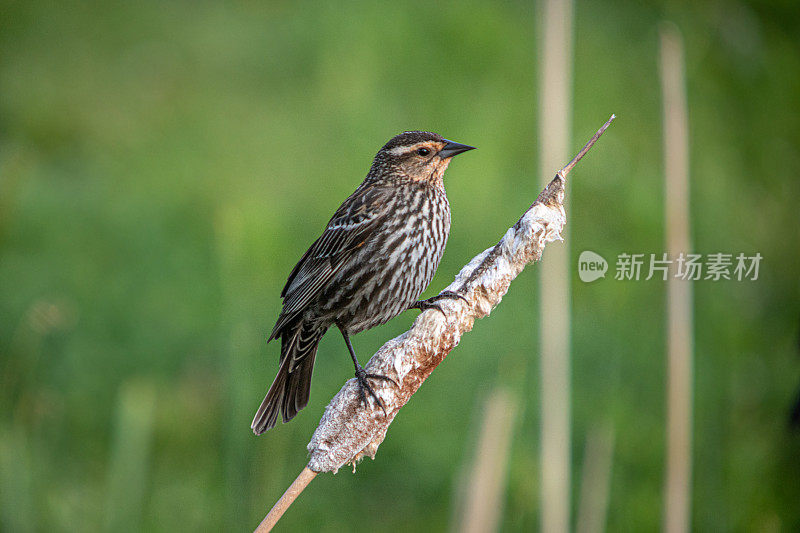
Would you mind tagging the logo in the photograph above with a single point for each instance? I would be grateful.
(591, 266)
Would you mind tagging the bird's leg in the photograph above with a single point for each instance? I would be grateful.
(430, 303)
(362, 375)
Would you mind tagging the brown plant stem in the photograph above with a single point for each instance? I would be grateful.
(678, 470)
(286, 500)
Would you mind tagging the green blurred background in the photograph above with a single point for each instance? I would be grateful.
(164, 164)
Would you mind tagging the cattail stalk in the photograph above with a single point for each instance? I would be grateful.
(679, 292)
(554, 331)
(482, 505)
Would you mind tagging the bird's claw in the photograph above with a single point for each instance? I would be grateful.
(363, 385)
(430, 303)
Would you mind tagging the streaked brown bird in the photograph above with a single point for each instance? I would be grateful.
(377, 254)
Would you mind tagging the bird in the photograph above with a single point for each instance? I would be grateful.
(376, 256)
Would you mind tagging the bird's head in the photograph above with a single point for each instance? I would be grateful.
(418, 156)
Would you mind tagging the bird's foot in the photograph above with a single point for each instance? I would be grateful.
(430, 303)
(364, 387)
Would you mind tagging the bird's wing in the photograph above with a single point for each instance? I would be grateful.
(350, 227)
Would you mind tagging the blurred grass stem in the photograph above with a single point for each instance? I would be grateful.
(555, 115)
(130, 458)
(483, 505)
(679, 292)
(598, 459)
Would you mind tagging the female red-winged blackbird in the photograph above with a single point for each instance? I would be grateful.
(378, 253)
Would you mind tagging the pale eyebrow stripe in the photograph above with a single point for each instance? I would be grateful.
(399, 150)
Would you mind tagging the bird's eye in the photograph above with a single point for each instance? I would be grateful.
(423, 151)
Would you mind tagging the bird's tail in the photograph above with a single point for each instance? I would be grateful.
(290, 391)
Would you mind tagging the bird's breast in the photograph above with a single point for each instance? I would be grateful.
(398, 263)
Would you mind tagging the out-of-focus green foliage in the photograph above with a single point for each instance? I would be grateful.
(164, 164)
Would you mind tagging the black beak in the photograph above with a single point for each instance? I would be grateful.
(450, 149)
